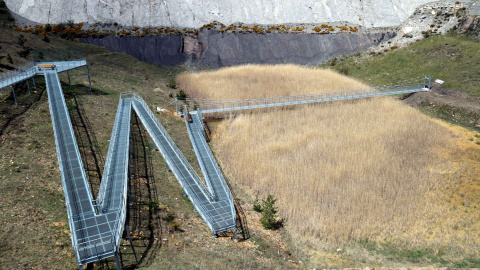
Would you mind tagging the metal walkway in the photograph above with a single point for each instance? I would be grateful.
(97, 225)
(218, 106)
(31, 69)
(223, 211)
(212, 200)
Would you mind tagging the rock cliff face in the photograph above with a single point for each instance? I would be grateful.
(157, 50)
(214, 49)
(226, 49)
(195, 13)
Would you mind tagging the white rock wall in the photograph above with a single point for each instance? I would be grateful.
(195, 13)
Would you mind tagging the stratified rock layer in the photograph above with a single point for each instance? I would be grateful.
(157, 50)
(226, 49)
(215, 49)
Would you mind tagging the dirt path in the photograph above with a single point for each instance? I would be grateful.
(451, 105)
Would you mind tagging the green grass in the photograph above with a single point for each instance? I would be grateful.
(454, 59)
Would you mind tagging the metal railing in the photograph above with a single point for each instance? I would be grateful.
(211, 105)
(108, 160)
(31, 69)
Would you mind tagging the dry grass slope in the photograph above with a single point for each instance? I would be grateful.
(260, 81)
(370, 170)
(341, 172)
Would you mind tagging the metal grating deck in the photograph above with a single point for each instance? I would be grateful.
(223, 210)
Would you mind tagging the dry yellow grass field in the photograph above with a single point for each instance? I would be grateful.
(341, 171)
(370, 170)
(261, 81)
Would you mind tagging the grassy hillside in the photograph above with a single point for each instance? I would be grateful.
(454, 59)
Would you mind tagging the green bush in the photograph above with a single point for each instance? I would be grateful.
(172, 84)
(269, 214)
(257, 207)
(181, 95)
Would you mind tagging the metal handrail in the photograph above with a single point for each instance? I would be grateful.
(113, 138)
(197, 203)
(212, 104)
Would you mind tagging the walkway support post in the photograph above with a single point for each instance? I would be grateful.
(69, 82)
(28, 86)
(176, 105)
(33, 80)
(89, 83)
(14, 96)
(117, 261)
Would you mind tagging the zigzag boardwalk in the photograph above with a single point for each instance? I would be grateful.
(97, 225)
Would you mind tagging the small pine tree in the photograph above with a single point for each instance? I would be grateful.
(257, 206)
(181, 95)
(269, 214)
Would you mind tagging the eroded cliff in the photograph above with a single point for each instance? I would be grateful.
(195, 13)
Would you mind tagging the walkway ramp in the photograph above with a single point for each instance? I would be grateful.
(92, 236)
(224, 210)
(211, 201)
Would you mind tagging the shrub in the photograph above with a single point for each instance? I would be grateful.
(257, 207)
(181, 95)
(269, 214)
(9, 59)
(21, 41)
(25, 53)
(172, 84)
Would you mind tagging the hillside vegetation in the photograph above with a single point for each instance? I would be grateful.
(454, 59)
(368, 176)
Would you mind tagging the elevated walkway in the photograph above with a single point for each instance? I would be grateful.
(91, 234)
(222, 106)
(30, 70)
(97, 225)
(223, 209)
(212, 200)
